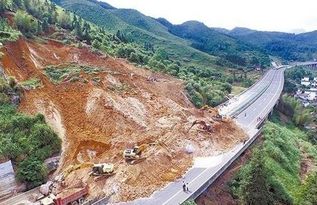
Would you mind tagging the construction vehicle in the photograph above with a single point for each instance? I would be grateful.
(134, 155)
(76, 196)
(205, 126)
(72, 168)
(102, 169)
(218, 118)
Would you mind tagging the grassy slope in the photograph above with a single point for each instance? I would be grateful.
(283, 149)
(139, 28)
(216, 43)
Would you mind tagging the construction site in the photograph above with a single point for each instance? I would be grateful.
(126, 131)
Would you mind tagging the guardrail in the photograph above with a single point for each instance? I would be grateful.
(221, 170)
(254, 84)
(224, 166)
(244, 106)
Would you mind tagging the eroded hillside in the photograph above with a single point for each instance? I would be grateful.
(100, 105)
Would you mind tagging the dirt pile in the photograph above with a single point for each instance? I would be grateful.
(108, 111)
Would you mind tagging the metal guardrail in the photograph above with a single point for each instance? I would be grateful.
(222, 169)
(247, 104)
(254, 84)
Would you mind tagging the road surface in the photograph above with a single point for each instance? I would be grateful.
(270, 88)
(263, 95)
(231, 106)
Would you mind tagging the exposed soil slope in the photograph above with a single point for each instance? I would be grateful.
(127, 105)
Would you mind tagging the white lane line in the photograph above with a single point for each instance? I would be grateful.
(279, 85)
(192, 181)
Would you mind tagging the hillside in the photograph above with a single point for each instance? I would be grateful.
(99, 105)
(135, 28)
(281, 169)
(215, 43)
(300, 47)
(141, 28)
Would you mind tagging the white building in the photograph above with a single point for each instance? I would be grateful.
(311, 95)
(305, 81)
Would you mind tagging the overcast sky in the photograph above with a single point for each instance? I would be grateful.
(277, 15)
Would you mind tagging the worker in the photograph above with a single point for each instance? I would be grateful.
(245, 114)
(184, 186)
(187, 189)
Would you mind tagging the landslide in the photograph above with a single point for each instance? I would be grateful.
(102, 113)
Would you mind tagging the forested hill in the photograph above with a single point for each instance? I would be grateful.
(199, 47)
(216, 43)
(288, 46)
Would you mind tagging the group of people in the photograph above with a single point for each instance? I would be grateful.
(185, 187)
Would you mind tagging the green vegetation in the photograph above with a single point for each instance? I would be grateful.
(27, 141)
(308, 195)
(236, 90)
(208, 40)
(69, 73)
(32, 83)
(287, 46)
(273, 175)
(294, 109)
(189, 202)
(131, 35)
(298, 72)
(7, 33)
(25, 22)
(148, 42)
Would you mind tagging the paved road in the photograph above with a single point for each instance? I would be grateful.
(234, 104)
(264, 104)
(21, 199)
(271, 87)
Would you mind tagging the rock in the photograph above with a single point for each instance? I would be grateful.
(189, 149)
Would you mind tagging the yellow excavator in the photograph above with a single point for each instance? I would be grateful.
(205, 125)
(133, 155)
(75, 167)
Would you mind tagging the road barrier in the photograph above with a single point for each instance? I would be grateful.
(244, 106)
(221, 170)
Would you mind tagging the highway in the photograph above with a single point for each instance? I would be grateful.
(258, 101)
(248, 119)
(233, 105)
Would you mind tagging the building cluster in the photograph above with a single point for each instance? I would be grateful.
(307, 95)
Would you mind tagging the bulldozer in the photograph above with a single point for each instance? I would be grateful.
(134, 155)
(102, 169)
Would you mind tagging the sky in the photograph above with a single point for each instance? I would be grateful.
(270, 15)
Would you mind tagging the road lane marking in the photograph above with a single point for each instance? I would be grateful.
(203, 172)
(279, 85)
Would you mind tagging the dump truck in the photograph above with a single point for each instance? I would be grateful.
(72, 196)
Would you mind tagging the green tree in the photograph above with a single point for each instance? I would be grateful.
(32, 171)
(4, 5)
(25, 22)
(45, 25)
(96, 44)
(64, 20)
